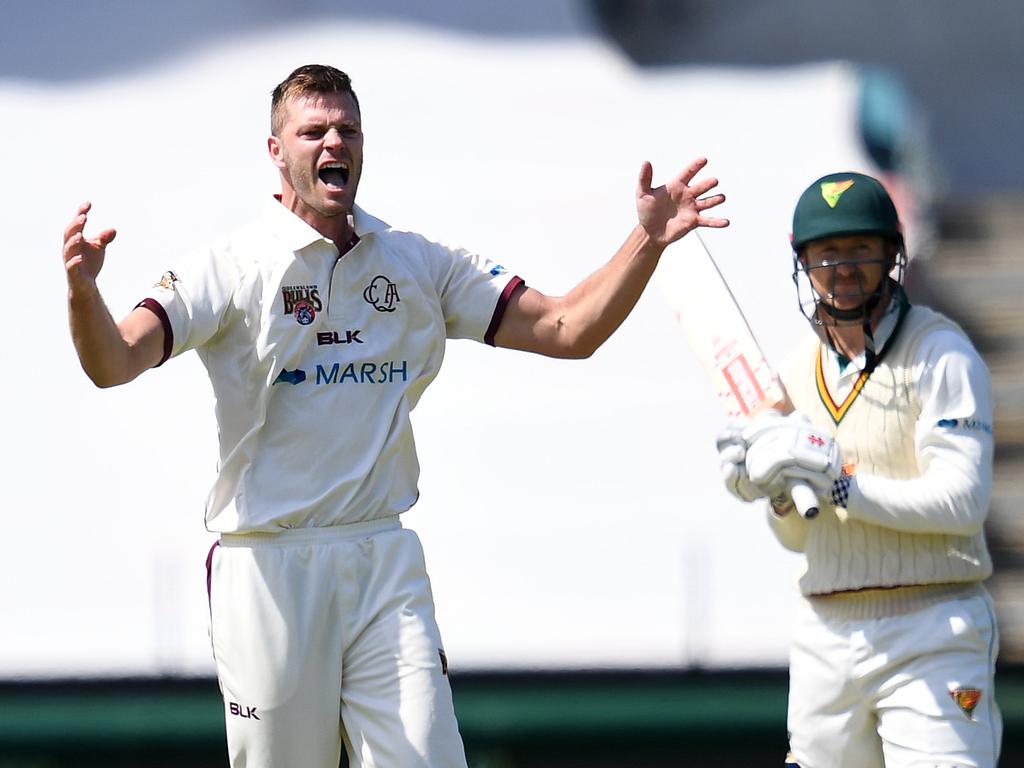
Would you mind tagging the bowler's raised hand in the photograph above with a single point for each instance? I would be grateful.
(676, 207)
(83, 257)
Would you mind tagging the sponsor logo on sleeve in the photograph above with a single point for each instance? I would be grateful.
(968, 425)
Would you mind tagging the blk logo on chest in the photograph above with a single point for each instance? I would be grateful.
(337, 337)
(238, 710)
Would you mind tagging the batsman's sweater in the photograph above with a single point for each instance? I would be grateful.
(894, 546)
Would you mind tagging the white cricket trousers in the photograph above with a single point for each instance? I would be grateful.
(328, 635)
(909, 690)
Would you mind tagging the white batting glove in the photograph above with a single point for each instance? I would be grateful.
(792, 449)
(732, 452)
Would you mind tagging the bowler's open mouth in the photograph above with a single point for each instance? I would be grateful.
(334, 175)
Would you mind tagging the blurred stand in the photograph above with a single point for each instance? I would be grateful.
(961, 62)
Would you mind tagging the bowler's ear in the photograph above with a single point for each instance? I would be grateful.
(276, 151)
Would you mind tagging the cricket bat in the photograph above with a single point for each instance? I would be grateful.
(720, 336)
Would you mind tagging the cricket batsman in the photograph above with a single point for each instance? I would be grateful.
(893, 652)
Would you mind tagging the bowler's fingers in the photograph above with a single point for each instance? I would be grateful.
(77, 224)
(74, 233)
(73, 244)
(643, 186)
(692, 170)
(684, 177)
(77, 247)
(702, 187)
(77, 244)
(74, 236)
(711, 201)
(713, 222)
(105, 238)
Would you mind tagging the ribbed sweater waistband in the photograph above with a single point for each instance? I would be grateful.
(891, 601)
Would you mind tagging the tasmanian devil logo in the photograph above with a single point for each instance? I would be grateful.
(967, 699)
(382, 294)
(833, 190)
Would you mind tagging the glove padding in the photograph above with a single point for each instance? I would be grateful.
(791, 449)
(732, 452)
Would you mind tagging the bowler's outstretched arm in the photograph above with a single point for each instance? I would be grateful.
(575, 325)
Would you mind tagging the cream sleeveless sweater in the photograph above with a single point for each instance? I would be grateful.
(876, 435)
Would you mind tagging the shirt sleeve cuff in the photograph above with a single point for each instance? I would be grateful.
(500, 307)
(157, 309)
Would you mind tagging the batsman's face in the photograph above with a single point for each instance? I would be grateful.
(319, 153)
(844, 271)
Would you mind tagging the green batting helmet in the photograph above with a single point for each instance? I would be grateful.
(845, 204)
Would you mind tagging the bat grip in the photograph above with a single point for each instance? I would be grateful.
(805, 499)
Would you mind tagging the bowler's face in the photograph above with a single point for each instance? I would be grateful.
(319, 151)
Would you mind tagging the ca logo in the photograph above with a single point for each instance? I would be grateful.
(382, 294)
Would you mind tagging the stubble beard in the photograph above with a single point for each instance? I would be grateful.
(306, 188)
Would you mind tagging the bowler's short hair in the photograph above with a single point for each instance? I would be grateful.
(307, 80)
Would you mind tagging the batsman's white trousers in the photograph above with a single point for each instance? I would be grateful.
(910, 690)
(328, 635)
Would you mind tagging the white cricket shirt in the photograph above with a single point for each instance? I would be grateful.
(316, 362)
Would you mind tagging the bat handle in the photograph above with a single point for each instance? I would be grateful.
(805, 500)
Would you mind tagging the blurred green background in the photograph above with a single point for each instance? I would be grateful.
(731, 719)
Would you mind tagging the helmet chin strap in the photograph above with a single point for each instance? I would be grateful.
(864, 313)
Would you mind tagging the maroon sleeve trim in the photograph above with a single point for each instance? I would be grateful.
(157, 309)
(499, 309)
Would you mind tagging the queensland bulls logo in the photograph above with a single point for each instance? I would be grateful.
(302, 301)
